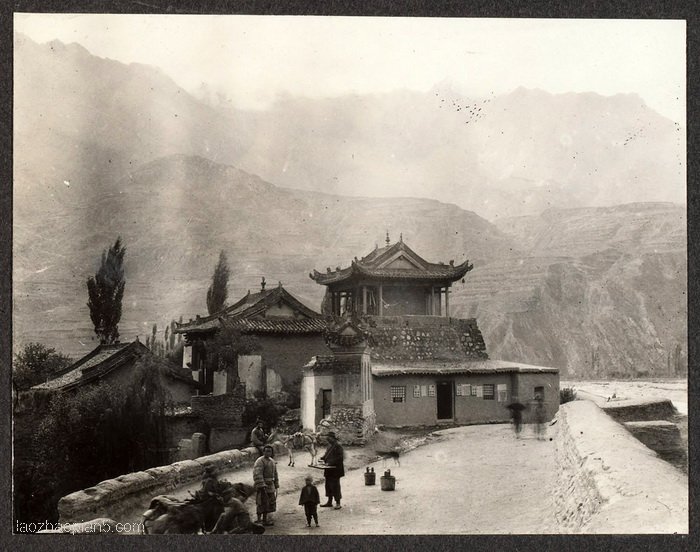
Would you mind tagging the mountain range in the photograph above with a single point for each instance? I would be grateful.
(570, 206)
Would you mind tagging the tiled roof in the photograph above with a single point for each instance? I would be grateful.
(456, 367)
(260, 325)
(280, 325)
(372, 266)
(433, 272)
(247, 314)
(103, 360)
(75, 371)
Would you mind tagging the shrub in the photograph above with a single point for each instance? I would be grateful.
(267, 409)
(567, 394)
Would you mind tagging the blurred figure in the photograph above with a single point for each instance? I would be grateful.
(516, 413)
(540, 417)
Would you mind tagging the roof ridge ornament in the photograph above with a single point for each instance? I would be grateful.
(388, 241)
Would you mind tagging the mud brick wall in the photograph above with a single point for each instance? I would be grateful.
(221, 411)
(408, 338)
(640, 411)
(662, 437)
(609, 482)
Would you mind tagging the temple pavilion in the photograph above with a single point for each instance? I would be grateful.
(391, 281)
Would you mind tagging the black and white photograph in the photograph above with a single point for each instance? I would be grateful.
(340, 275)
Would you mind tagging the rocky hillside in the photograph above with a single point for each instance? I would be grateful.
(176, 213)
(105, 149)
(599, 291)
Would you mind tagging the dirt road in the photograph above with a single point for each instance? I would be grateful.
(476, 479)
(466, 480)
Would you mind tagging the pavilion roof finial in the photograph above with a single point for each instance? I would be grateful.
(387, 238)
(401, 237)
(262, 284)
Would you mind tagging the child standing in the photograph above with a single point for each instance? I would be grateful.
(310, 499)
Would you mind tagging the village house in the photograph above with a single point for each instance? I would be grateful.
(115, 364)
(399, 359)
(287, 332)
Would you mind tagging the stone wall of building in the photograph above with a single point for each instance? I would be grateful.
(348, 423)
(424, 337)
(224, 416)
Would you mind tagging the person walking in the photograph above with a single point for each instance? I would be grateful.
(309, 499)
(540, 418)
(266, 484)
(333, 458)
(516, 413)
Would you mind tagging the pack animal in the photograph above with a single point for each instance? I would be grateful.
(169, 515)
(299, 441)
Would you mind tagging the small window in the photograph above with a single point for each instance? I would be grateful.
(539, 393)
(398, 393)
(489, 392)
(473, 390)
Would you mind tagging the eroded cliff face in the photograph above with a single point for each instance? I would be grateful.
(615, 306)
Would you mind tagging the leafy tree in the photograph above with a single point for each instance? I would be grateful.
(218, 290)
(95, 433)
(222, 351)
(35, 364)
(105, 292)
(175, 354)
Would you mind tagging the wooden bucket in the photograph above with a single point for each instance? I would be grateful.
(388, 482)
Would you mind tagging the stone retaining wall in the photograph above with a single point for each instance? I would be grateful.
(640, 410)
(115, 497)
(609, 482)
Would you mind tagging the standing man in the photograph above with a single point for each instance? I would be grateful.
(266, 485)
(333, 458)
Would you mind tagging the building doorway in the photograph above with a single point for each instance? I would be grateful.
(445, 398)
(326, 399)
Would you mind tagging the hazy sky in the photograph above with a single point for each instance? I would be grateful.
(253, 59)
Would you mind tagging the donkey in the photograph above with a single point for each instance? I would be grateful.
(297, 441)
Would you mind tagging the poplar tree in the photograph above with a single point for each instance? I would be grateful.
(218, 290)
(105, 293)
